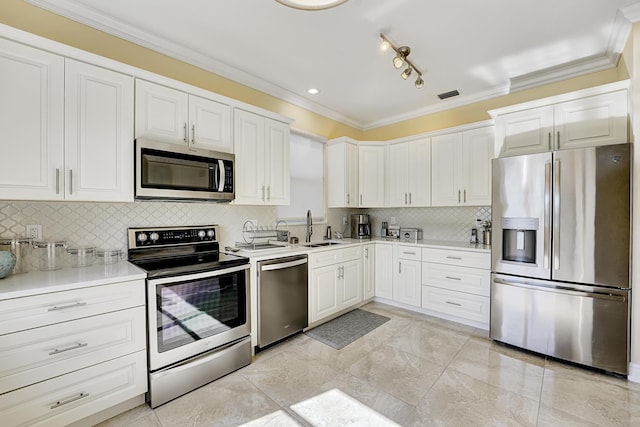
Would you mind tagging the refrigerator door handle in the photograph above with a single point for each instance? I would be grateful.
(547, 214)
(556, 214)
(560, 289)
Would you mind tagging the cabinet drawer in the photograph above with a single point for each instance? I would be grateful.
(72, 397)
(38, 354)
(462, 258)
(20, 314)
(463, 279)
(409, 252)
(458, 304)
(334, 256)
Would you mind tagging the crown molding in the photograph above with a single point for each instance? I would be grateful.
(632, 12)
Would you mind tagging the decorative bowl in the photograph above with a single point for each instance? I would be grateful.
(7, 262)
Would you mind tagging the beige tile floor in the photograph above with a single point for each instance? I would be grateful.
(414, 370)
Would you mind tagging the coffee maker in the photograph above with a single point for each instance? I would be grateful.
(360, 226)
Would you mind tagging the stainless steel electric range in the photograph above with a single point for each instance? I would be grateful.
(197, 308)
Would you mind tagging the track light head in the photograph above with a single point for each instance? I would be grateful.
(398, 61)
(419, 82)
(406, 73)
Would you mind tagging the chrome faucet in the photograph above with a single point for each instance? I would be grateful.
(309, 227)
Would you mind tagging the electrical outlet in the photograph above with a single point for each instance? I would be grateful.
(392, 221)
(34, 231)
(344, 220)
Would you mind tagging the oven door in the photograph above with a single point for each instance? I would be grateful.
(191, 314)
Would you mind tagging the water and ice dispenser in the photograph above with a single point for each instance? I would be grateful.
(519, 239)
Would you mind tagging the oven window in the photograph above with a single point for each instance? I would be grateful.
(193, 310)
(161, 171)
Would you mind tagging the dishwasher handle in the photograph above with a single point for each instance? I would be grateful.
(283, 265)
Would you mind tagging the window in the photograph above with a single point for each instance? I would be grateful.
(307, 180)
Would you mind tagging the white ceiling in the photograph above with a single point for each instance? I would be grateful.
(481, 48)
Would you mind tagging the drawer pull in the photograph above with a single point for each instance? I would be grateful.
(452, 278)
(453, 303)
(64, 307)
(71, 347)
(454, 257)
(69, 400)
(408, 253)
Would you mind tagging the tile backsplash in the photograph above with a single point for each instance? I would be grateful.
(105, 224)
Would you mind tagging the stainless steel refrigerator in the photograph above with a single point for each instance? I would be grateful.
(561, 254)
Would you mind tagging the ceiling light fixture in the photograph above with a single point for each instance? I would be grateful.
(311, 4)
(401, 58)
(313, 91)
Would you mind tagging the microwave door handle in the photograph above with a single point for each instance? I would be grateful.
(220, 176)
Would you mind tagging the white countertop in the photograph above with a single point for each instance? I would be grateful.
(40, 282)
(257, 255)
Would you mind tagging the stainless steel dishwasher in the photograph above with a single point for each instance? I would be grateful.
(282, 298)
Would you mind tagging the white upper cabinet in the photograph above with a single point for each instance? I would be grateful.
(98, 134)
(342, 158)
(262, 160)
(461, 168)
(597, 116)
(173, 116)
(409, 172)
(371, 175)
(31, 123)
(67, 127)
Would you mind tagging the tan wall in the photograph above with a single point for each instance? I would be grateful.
(21, 15)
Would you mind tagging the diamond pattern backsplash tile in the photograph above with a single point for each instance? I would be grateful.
(104, 225)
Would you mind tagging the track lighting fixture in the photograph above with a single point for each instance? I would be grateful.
(402, 58)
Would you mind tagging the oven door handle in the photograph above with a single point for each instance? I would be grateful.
(195, 276)
(283, 265)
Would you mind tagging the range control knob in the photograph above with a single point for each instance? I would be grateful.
(201, 234)
(154, 236)
(142, 237)
(211, 234)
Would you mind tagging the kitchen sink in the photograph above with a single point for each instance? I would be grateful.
(321, 244)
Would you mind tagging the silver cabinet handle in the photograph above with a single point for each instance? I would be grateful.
(549, 141)
(186, 137)
(71, 347)
(458, 196)
(558, 140)
(193, 133)
(452, 278)
(399, 267)
(57, 180)
(360, 199)
(547, 213)
(70, 181)
(263, 199)
(366, 253)
(405, 198)
(465, 196)
(454, 257)
(68, 400)
(408, 253)
(453, 303)
(64, 307)
(348, 199)
(409, 197)
(556, 214)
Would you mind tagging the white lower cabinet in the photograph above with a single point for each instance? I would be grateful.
(368, 270)
(68, 355)
(456, 285)
(407, 275)
(384, 270)
(335, 281)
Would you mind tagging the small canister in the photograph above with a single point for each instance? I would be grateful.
(81, 256)
(109, 256)
(19, 247)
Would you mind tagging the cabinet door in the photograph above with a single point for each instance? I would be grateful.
(446, 163)
(161, 113)
(277, 163)
(31, 122)
(476, 166)
(407, 286)
(324, 292)
(368, 271)
(419, 181)
(250, 158)
(342, 160)
(210, 124)
(524, 132)
(98, 134)
(398, 176)
(384, 270)
(351, 285)
(371, 176)
(351, 151)
(595, 120)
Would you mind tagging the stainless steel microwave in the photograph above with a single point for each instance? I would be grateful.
(168, 171)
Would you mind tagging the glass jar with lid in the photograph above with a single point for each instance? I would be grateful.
(48, 254)
(20, 247)
(81, 256)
